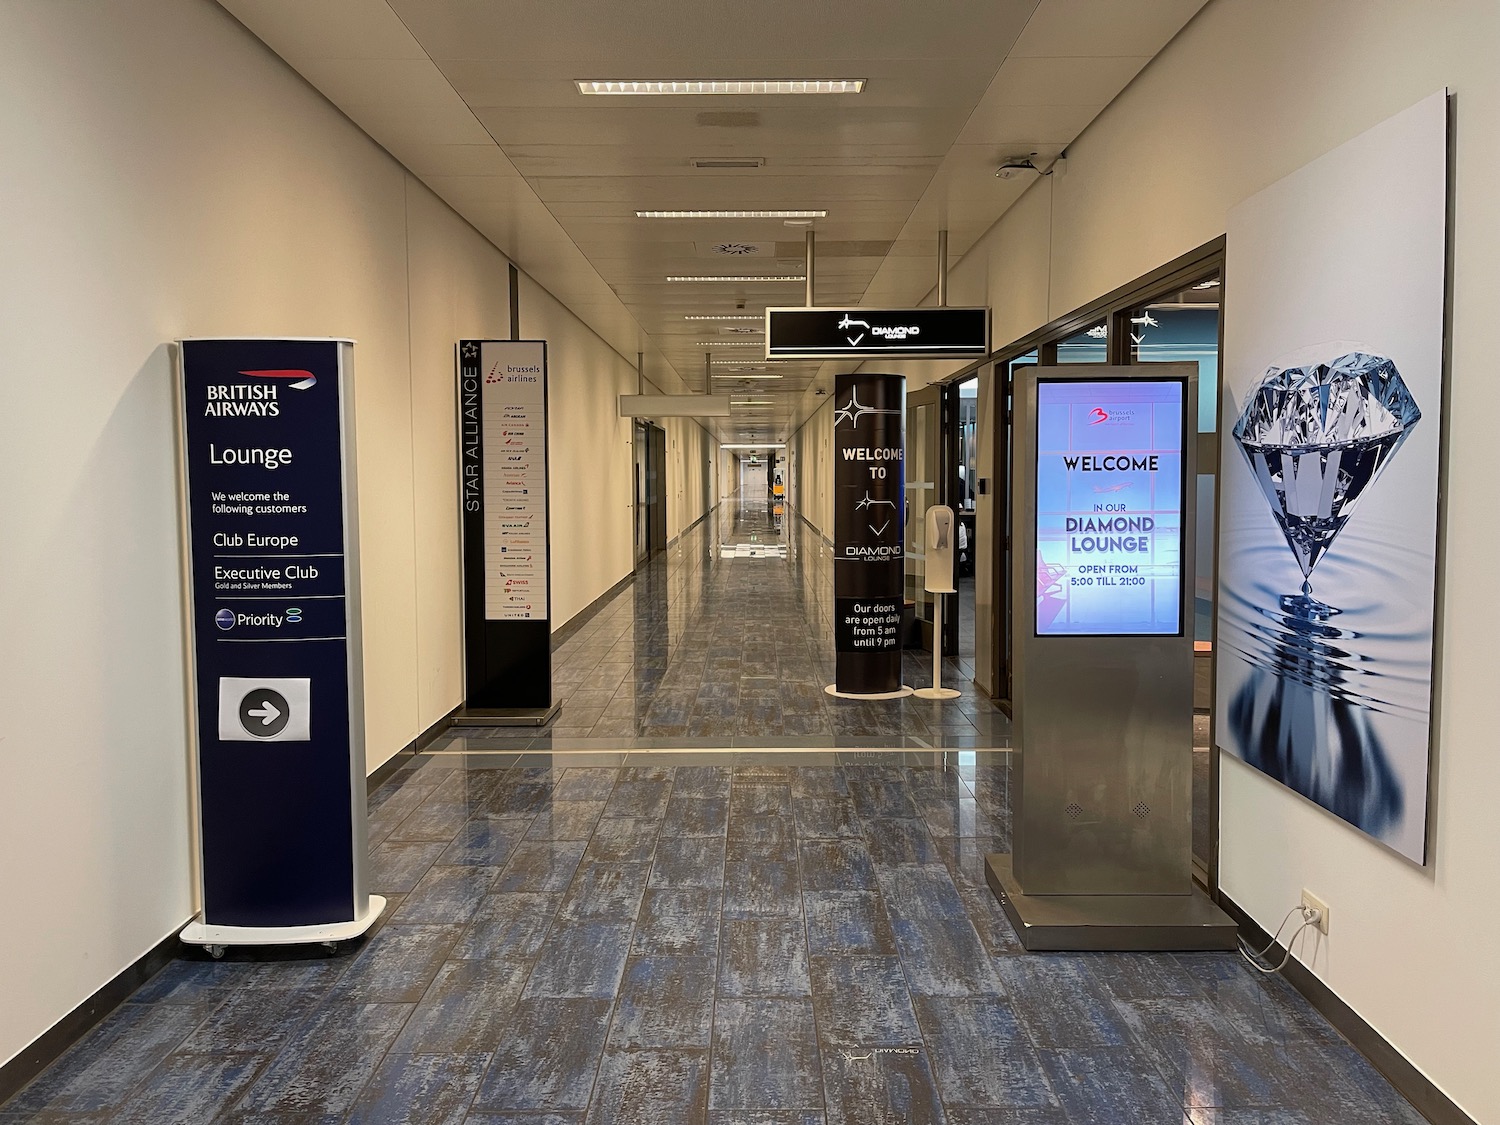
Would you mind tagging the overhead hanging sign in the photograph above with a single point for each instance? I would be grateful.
(503, 490)
(1109, 488)
(824, 333)
(268, 465)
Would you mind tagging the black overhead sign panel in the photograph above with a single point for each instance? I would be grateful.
(820, 333)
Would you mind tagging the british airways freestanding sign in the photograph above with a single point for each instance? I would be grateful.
(267, 457)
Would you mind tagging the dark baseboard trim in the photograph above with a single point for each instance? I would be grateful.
(401, 757)
(581, 618)
(1410, 1082)
(50, 1045)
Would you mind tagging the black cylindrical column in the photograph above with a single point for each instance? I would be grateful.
(869, 478)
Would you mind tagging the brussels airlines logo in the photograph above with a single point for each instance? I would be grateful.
(1097, 415)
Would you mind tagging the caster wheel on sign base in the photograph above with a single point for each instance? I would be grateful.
(215, 951)
(331, 948)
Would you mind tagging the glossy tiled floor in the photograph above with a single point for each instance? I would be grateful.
(712, 651)
(775, 939)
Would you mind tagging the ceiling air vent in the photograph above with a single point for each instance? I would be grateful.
(728, 162)
(737, 249)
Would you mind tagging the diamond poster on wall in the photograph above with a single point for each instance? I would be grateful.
(1329, 476)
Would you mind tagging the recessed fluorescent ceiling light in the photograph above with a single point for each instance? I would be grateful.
(737, 277)
(749, 364)
(736, 316)
(731, 214)
(730, 344)
(692, 86)
(753, 402)
(732, 375)
(762, 445)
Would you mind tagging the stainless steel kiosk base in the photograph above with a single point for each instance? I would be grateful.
(505, 716)
(1109, 922)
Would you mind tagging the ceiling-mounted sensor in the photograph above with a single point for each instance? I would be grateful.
(741, 162)
(1013, 166)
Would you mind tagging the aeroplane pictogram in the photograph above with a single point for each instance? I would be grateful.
(869, 502)
(854, 410)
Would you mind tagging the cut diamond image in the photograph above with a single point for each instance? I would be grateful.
(1316, 437)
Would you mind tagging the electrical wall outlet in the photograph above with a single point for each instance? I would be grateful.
(1312, 902)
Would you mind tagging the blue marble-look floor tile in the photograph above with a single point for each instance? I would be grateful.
(516, 799)
(980, 1053)
(847, 922)
(1333, 1081)
(678, 920)
(875, 798)
(1110, 1084)
(326, 1063)
(666, 1000)
(566, 820)
(749, 799)
(638, 798)
(466, 1009)
(484, 842)
(480, 1117)
(696, 816)
(510, 925)
(396, 866)
(809, 1116)
(585, 783)
(895, 841)
(541, 867)
(255, 1020)
(826, 781)
(877, 1085)
(836, 865)
(944, 957)
(396, 965)
(1265, 1009)
(862, 1001)
(431, 822)
(1143, 976)
(605, 890)
(696, 861)
(701, 781)
(550, 1058)
(1087, 1019)
(921, 894)
(825, 818)
(763, 957)
(420, 1090)
(624, 839)
(446, 894)
(769, 889)
(636, 1087)
(189, 1088)
(762, 839)
(958, 817)
(765, 1055)
(191, 979)
(989, 921)
(1215, 1116)
(580, 959)
(98, 1072)
(1200, 1056)
(994, 1115)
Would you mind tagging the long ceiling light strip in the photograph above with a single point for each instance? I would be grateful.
(743, 278)
(730, 344)
(731, 214)
(759, 445)
(734, 316)
(733, 375)
(698, 86)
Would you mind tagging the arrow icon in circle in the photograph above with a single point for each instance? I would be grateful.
(267, 713)
(264, 712)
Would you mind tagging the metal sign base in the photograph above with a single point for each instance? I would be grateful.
(1127, 923)
(215, 938)
(505, 716)
(899, 693)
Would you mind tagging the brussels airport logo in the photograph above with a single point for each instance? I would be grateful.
(255, 400)
(224, 619)
(1097, 415)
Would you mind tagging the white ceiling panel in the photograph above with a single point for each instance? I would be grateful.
(478, 99)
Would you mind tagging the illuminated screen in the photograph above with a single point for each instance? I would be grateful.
(1109, 507)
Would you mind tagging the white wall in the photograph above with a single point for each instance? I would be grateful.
(1250, 91)
(167, 176)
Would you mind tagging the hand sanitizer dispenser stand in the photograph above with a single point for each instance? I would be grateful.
(942, 546)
